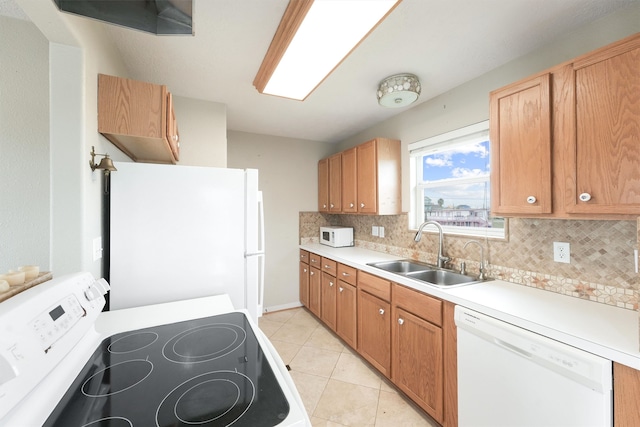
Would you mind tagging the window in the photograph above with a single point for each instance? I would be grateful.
(450, 182)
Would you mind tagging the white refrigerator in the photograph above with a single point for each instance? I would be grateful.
(180, 232)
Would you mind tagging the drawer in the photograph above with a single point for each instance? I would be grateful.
(304, 256)
(347, 274)
(315, 260)
(374, 285)
(329, 266)
(422, 305)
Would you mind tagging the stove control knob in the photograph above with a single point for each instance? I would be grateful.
(92, 292)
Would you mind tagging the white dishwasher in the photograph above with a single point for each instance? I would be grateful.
(512, 377)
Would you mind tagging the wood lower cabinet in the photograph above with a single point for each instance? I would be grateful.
(417, 343)
(374, 321)
(346, 305)
(304, 284)
(626, 396)
(328, 294)
(315, 279)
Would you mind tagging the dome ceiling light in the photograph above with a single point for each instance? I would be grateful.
(398, 90)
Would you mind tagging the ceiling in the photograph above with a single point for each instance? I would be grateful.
(445, 43)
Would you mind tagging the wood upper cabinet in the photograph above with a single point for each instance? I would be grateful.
(335, 183)
(323, 185)
(417, 349)
(364, 179)
(378, 172)
(138, 118)
(349, 181)
(603, 158)
(520, 134)
(566, 143)
(374, 321)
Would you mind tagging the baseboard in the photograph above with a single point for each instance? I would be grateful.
(273, 308)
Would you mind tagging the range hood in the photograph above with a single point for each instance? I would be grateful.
(163, 17)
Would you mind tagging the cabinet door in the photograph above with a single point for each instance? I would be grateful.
(335, 183)
(304, 284)
(520, 132)
(605, 156)
(349, 181)
(323, 185)
(367, 177)
(346, 315)
(374, 331)
(173, 136)
(314, 290)
(626, 396)
(328, 300)
(417, 361)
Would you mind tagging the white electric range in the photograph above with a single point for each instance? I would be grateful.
(64, 362)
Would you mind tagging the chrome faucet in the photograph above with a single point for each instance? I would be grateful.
(441, 258)
(482, 261)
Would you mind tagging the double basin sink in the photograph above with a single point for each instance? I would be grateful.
(426, 273)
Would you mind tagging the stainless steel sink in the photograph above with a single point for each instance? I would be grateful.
(441, 277)
(426, 273)
(402, 266)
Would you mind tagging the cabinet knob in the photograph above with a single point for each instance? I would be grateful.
(327, 266)
(331, 284)
(531, 200)
(175, 137)
(400, 321)
(362, 205)
(313, 260)
(331, 205)
(305, 270)
(345, 274)
(324, 206)
(350, 205)
(341, 289)
(311, 273)
(585, 197)
(381, 311)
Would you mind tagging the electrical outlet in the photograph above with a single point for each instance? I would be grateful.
(381, 231)
(375, 230)
(562, 252)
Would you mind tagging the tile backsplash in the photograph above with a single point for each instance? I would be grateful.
(602, 252)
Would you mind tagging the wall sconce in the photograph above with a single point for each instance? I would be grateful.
(105, 164)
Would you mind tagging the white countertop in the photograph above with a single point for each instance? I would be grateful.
(601, 329)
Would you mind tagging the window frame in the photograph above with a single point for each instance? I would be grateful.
(439, 143)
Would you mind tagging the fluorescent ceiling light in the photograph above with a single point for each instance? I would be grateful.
(312, 39)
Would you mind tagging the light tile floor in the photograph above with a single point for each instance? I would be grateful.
(337, 387)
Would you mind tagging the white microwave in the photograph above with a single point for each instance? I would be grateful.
(336, 236)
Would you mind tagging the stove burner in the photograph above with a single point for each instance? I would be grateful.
(132, 342)
(110, 422)
(204, 343)
(117, 378)
(211, 399)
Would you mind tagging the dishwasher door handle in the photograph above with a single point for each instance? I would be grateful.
(513, 348)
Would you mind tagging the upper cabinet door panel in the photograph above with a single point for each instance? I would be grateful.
(521, 147)
(349, 181)
(323, 185)
(606, 142)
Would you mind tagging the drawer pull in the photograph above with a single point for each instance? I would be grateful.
(345, 274)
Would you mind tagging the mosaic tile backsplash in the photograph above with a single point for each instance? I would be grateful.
(602, 252)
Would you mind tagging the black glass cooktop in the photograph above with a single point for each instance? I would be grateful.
(203, 372)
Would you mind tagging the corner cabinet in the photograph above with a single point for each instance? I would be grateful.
(139, 119)
(566, 142)
(368, 180)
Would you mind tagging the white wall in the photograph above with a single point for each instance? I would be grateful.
(203, 132)
(469, 103)
(288, 178)
(24, 146)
